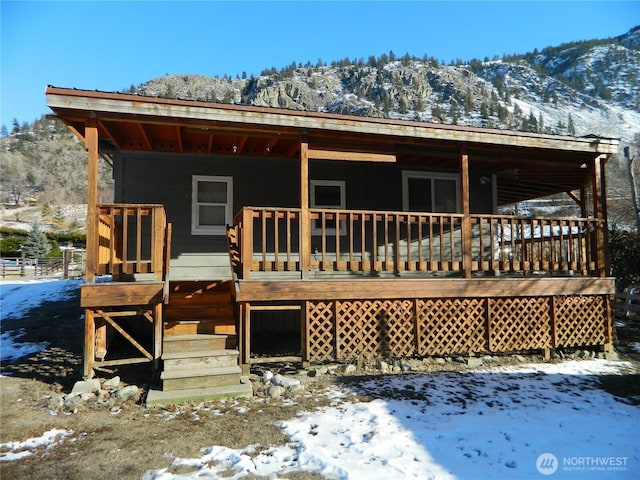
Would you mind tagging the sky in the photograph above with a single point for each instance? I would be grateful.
(111, 45)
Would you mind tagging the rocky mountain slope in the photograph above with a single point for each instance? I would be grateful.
(581, 88)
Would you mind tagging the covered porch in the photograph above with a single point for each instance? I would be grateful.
(375, 270)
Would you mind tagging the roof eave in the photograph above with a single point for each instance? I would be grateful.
(90, 102)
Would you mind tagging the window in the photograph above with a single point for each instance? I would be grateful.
(211, 204)
(430, 192)
(327, 194)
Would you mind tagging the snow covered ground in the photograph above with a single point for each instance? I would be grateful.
(519, 422)
(16, 298)
(526, 422)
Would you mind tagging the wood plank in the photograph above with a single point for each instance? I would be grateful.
(422, 288)
(349, 156)
(117, 294)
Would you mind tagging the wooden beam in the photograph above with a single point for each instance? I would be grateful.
(265, 291)
(91, 146)
(466, 212)
(145, 137)
(597, 173)
(305, 217)
(121, 294)
(179, 138)
(89, 343)
(315, 154)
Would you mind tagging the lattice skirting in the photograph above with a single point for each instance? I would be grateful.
(347, 330)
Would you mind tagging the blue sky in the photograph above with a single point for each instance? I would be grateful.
(111, 45)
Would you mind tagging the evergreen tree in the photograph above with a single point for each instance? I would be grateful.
(571, 127)
(37, 244)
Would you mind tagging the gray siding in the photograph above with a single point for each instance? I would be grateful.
(167, 178)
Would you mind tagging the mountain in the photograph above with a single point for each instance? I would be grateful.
(579, 88)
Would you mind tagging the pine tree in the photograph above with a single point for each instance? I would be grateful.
(571, 126)
(37, 244)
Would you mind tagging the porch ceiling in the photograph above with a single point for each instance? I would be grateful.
(527, 165)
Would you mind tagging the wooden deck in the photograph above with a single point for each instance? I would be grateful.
(350, 320)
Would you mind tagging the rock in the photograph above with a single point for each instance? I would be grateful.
(487, 359)
(318, 372)
(349, 369)
(411, 365)
(112, 383)
(440, 361)
(396, 369)
(88, 396)
(384, 367)
(519, 358)
(275, 391)
(55, 402)
(285, 382)
(474, 361)
(73, 401)
(611, 356)
(267, 376)
(86, 386)
(127, 393)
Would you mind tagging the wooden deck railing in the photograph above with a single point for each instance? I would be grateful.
(397, 242)
(131, 240)
(514, 244)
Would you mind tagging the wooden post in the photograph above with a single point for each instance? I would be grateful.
(244, 338)
(157, 335)
(246, 243)
(304, 334)
(91, 146)
(608, 318)
(159, 225)
(89, 343)
(305, 218)
(466, 211)
(597, 173)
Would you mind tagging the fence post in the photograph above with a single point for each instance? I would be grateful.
(66, 256)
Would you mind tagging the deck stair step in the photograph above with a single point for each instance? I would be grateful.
(200, 378)
(194, 342)
(199, 359)
(192, 326)
(199, 355)
(158, 397)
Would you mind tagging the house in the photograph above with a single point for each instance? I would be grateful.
(370, 237)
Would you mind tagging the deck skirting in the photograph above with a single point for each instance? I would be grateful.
(369, 319)
(356, 329)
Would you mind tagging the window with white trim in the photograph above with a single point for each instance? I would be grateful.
(327, 194)
(211, 204)
(430, 192)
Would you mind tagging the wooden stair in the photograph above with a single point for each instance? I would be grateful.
(199, 347)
